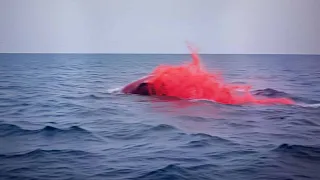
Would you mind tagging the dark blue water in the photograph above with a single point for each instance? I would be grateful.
(61, 117)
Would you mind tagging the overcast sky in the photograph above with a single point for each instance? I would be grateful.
(160, 26)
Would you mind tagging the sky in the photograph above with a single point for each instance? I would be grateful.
(160, 26)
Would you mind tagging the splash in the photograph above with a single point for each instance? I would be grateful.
(192, 81)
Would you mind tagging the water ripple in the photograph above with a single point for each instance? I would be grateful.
(62, 116)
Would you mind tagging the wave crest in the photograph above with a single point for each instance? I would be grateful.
(14, 130)
(300, 151)
(38, 153)
(269, 92)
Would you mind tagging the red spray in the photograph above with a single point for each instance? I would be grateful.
(192, 81)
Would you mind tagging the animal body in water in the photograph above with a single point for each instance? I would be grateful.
(140, 87)
(192, 81)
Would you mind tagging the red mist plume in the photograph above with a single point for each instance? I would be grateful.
(192, 81)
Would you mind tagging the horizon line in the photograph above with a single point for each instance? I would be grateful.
(99, 53)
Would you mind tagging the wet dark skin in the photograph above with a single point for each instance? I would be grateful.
(145, 89)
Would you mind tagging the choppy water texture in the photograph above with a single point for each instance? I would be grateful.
(61, 117)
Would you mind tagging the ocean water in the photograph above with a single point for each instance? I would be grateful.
(62, 117)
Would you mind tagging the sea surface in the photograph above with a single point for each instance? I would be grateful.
(62, 117)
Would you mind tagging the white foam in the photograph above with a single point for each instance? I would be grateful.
(310, 105)
(114, 90)
(202, 100)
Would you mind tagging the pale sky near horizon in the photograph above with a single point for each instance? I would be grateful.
(153, 26)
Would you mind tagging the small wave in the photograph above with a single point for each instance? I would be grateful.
(306, 122)
(308, 152)
(207, 136)
(303, 102)
(100, 111)
(138, 131)
(38, 153)
(309, 105)
(175, 171)
(203, 140)
(199, 143)
(163, 127)
(195, 118)
(269, 92)
(91, 96)
(240, 125)
(10, 130)
(50, 130)
(169, 172)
